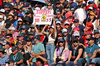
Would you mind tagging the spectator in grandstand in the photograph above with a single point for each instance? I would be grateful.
(61, 53)
(90, 49)
(75, 54)
(3, 58)
(16, 56)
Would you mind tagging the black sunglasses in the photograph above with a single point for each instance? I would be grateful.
(32, 27)
(75, 41)
(66, 24)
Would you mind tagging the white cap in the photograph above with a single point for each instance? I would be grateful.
(90, 8)
(52, 26)
(2, 10)
(12, 28)
(66, 22)
(20, 19)
(58, 22)
(1, 16)
(37, 8)
(64, 31)
(76, 33)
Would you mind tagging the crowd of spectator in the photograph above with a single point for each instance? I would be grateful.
(68, 41)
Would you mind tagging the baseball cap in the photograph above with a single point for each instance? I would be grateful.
(68, 14)
(4, 29)
(92, 13)
(64, 31)
(58, 22)
(20, 20)
(87, 33)
(52, 26)
(89, 25)
(66, 22)
(28, 39)
(79, 1)
(90, 2)
(12, 28)
(76, 21)
(20, 15)
(76, 33)
(37, 37)
(14, 48)
(1, 16)
(19, 43)
(90, 8)
(96, 32)
(75, 40)
(60, 40)
(2, 10)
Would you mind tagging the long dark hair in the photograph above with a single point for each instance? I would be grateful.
(59, 46)
(53, 34)
(93, 19)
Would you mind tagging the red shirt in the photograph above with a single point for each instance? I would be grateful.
(10, 43)
(1, 2)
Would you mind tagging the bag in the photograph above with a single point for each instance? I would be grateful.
(57, 59)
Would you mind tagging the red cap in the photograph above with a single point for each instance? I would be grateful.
(87, 32)
(68, 14)
(59, 34)
(89, 25)
(76, 29)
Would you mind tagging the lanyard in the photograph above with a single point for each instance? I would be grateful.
(60, 51)
(90, 48)
(14, 58)
(74, 51)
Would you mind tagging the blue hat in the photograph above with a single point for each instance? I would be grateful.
(20, 15)
(60, 40)
(37, 37)
(21, 34)
(76, 20)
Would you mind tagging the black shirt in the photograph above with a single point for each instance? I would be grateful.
(76, 52)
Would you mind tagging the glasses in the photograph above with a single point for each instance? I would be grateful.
(61, 42)
(32, 27)
(7, 37)
(48, 5)
(58, 14)
(75, 41)
(59, 36)
(23, 29)
(57, 24)
(88, 39)
(66, 24)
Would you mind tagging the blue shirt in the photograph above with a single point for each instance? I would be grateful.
(3, 60)
(90, 50)
(15, 23)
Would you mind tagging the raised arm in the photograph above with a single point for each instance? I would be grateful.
(43, 30)
(39, 33)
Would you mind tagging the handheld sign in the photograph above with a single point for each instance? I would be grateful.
(43, 17)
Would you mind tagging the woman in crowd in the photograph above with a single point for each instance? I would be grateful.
(61, 53)
(50, 47)
(28, 48)
(8, 49)
(75, 54)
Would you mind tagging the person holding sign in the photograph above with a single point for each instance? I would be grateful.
(50, 47)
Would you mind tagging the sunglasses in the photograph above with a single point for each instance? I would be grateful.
(23, 29)
(61, 42)
(75, 41)
(57, 24)
(32, 27)
(66, 24)
(48, 5)
(7, 37)
(58, 14)
(59, 36)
